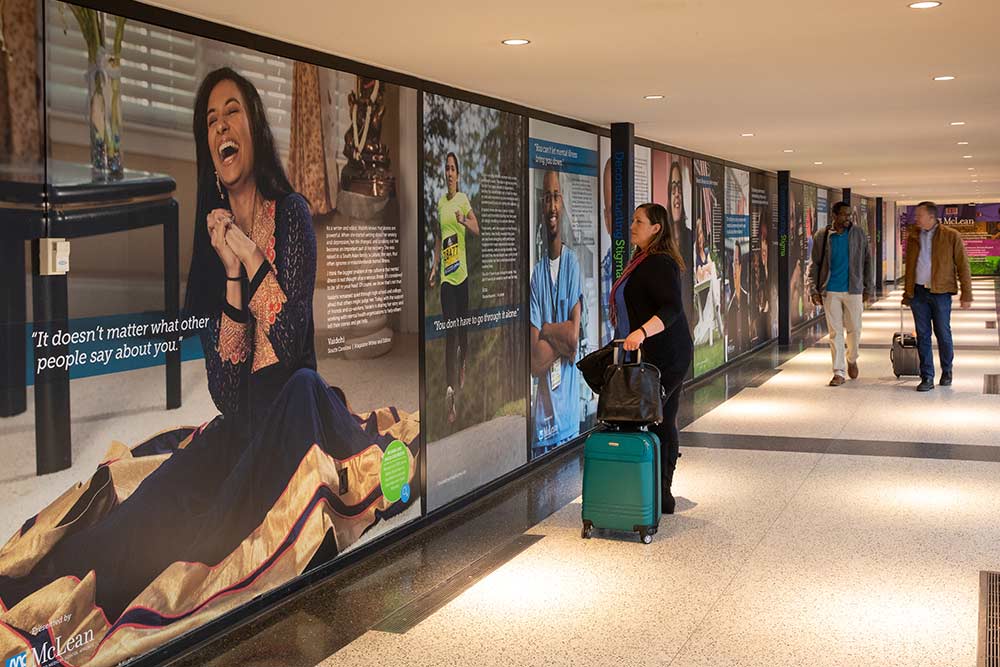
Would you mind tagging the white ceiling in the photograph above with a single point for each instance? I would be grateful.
(845, 82)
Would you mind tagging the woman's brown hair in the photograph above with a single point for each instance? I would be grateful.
(664, 242)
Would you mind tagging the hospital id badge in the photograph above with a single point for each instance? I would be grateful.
(555, 374)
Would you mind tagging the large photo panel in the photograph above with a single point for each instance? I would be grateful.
(760, 269)
(475, 275)
(709, 269)
(738, 264)
(810, 216)
(774, 254)
(798, 301)
(673, 189)
(563, 299)
(979, 226)
(227, 390)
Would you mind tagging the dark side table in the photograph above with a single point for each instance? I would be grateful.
(66, 202)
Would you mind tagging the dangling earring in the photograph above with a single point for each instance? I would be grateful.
(218, 186)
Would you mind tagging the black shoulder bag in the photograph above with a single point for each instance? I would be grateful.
(632, 393)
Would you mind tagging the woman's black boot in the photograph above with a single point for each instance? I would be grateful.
(668, 501)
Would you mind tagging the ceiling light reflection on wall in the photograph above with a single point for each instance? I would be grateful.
(789, 150)
(747, 134)
(931, 4)
(817, 163)
(946, 77)
(653, 97)
(966, 157)
(963, 143)
(518, 41)
(957, 123)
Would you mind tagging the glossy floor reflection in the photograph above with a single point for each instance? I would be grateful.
(806, 544)
(775, 558)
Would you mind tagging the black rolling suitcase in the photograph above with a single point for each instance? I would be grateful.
(904, 355)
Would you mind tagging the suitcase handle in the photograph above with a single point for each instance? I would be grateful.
(618, 344)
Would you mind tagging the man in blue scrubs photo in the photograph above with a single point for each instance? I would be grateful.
(556, 303)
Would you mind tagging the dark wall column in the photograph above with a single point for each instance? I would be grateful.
(879, 245)
(622, 193)
(784, 268)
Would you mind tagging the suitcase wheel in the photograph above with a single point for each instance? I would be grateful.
(588, 530)
(647, 538)
(646, 534)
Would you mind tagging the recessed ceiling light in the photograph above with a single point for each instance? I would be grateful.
(817, 163)
(864, 179)
(966, 157)
(971, 168)
(947, 77)
(747, 134)
(975, 181)
(516, 42)
(963, 143)
(653, 97)
(847, 173)
(925, 5)
(789, 150)
(957, 123)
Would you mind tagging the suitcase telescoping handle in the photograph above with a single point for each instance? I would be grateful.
(619, 344)
(901, 307)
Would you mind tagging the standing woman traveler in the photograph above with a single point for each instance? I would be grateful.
(648, 312)
(451, 266)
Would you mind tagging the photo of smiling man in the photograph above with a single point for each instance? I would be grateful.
(556, 297)
(563, 300)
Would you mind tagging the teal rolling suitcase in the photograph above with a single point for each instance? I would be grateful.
(621, 482)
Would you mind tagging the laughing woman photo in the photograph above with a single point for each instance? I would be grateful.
(196, 521)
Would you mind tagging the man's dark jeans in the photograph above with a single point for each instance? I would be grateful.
(932, 312)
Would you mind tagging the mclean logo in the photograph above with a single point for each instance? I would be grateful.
(49, 653)
(955, 222)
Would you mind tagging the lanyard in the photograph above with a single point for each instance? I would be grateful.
(555, 287)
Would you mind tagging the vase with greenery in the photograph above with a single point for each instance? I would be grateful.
(103, 91)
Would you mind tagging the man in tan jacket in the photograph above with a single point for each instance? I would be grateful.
(935, 265)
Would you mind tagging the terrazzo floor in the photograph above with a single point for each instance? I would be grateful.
(877, 406)
(774, 558)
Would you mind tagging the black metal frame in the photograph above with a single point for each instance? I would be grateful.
(421, 297)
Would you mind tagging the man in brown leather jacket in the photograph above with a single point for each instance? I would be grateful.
(935, 266)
